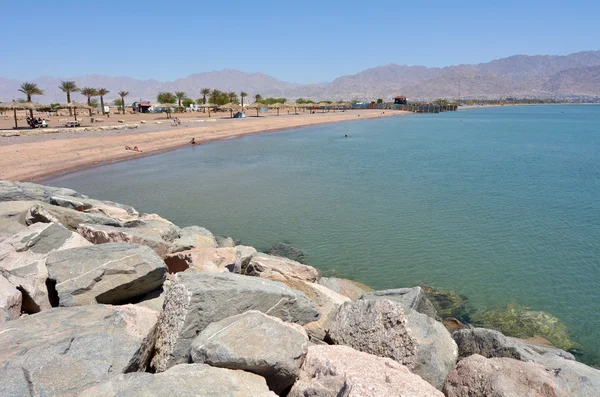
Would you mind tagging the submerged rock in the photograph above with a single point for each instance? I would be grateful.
(335, 371)
(253, 342)
(287, 251)
(195, 300)
(448, 303)
(198, 380)
(60, 352)
(518, 321)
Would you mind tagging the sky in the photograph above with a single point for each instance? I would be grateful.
(295, 41)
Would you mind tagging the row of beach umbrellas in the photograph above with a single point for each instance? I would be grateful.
(232, 107)
(31, 106)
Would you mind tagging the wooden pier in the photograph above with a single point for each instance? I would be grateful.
(411, 107)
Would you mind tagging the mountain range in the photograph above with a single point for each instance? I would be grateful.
(542, 76)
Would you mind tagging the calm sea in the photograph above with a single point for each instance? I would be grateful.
(499, 204)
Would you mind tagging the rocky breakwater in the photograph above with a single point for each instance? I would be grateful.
(97, 299)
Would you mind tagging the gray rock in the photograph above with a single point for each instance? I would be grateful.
(198, 380)
(12, 217)
(225, 242)
(383, 328)
(253, 342)
(155, 224)
(489, 343)
(376, 327)
(351, 289)
(340, 371)
(111, 209)
(24, 191)
(477, 376)
(71, 219)
(436, 350)
(243, 255)
(60, 352)
(326, 300)
(544, 350)
(111, 273)
(195, 300)
(194, 237)
(10, 300)
(100, 234)
(278, 268)
(205, 260)
(23, 257)
(409, 298)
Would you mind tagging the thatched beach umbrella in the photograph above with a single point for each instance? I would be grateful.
(231, 107)
(14, 106)
(278, 106)
(257, 106)
(74, 105)
(293, 105)
(208, 106)
(323, 105)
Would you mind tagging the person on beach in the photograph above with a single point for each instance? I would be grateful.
(193, 141)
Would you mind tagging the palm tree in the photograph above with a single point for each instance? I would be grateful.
(30, 89)
(204, 92)
(101, 93)
(243, 95)
(180, 95)
(68, 87)
(214, 96)
(123, 94)
(89, 92)
(232, 96)
(257, 98)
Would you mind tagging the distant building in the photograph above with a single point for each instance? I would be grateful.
(400, 100)
(142, 106)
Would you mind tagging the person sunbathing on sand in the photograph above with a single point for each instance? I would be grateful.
(135, 148)
(193, 141)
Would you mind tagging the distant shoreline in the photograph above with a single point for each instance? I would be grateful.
(39, 157)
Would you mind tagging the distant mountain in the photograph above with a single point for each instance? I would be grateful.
(540, 76)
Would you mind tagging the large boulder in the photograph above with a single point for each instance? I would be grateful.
(383, 328)
(10, 300)
(351, 289)
(114, 210)
(195, 300)
(205, 260)
(333, 371)
(327, 301)
(225, 242)
(166, 229)
(23, 257)
(409, 298)
(60, 352)
(243, 256)
(194, 237)
(12, 217)
(100, 234)
(26, 191)
(279, 268)
(198, 380)
(477, 376)
(489, 343)
(111, 273)
(253, 342)
(71, 219)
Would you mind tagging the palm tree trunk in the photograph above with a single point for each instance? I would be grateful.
(123, 104)
(102, 104)
(69, 101)
(16, 126)
(30, 110)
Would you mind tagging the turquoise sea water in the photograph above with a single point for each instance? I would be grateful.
(499, 204)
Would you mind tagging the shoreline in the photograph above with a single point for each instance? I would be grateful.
(42, 156)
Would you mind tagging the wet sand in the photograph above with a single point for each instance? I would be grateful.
(27, 158)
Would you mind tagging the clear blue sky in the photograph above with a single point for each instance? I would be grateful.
(297, 41)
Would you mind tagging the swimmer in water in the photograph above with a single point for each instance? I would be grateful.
(345, 136)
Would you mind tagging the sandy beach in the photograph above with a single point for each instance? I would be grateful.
(27, 158)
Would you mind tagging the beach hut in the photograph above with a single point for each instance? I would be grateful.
(74, 105)
(231, 107)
